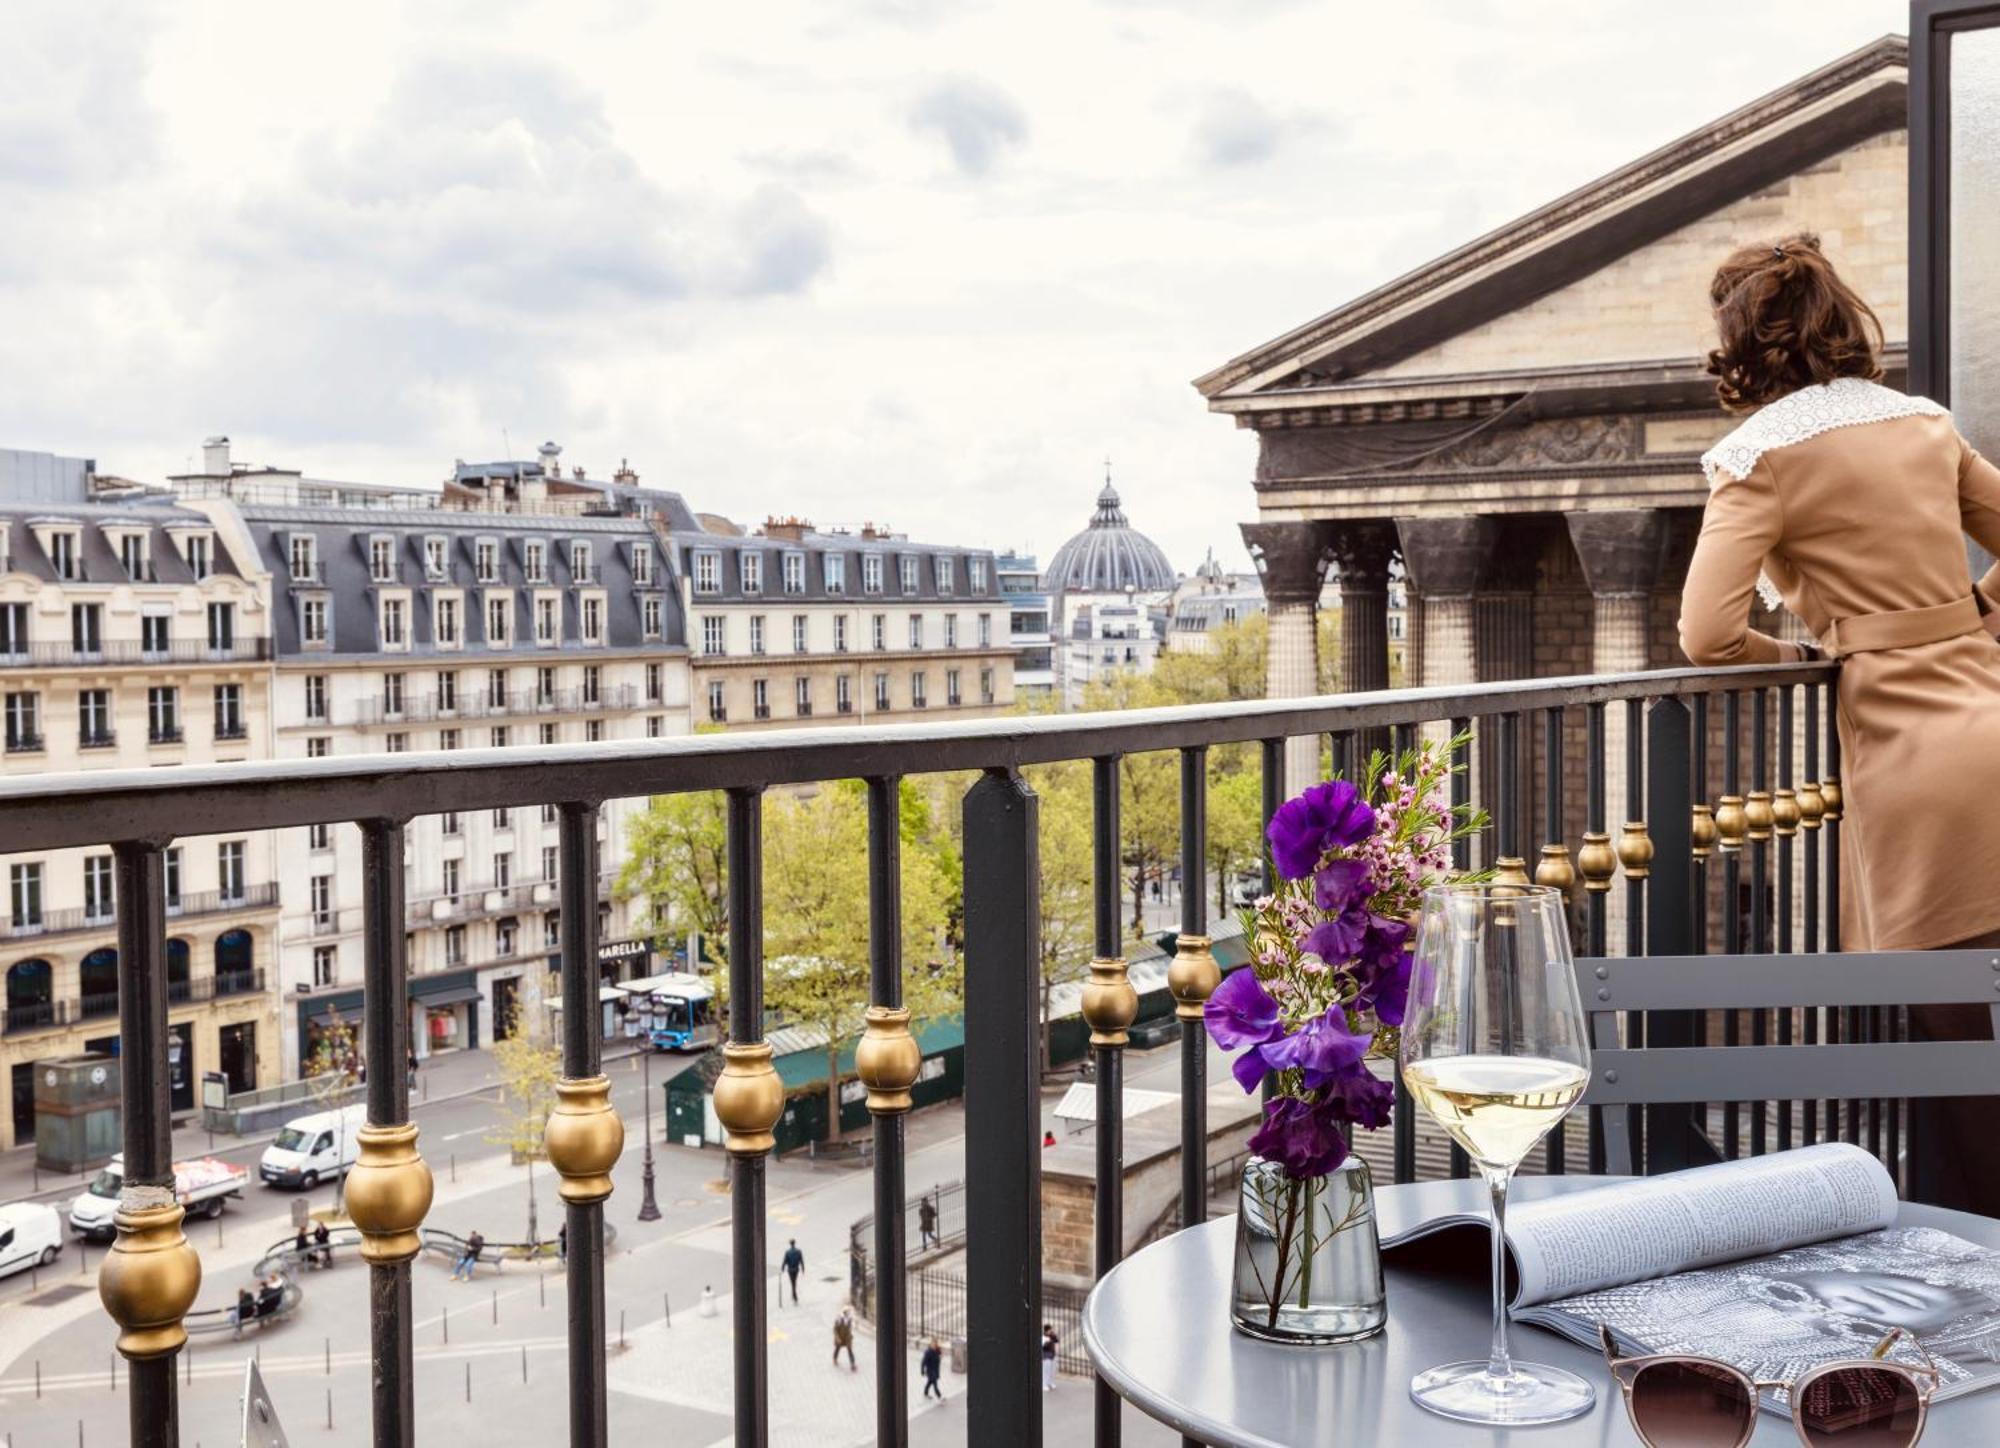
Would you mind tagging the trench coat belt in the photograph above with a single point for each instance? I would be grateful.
(1902, 628)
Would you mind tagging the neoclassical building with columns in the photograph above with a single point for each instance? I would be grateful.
(1520, 422)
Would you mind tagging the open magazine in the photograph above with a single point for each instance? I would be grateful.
(1772, 1263)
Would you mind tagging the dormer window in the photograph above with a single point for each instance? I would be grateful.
(593, 620)
(382, 558)
(63, 555)
(535, 561)
(871, 573)
(545, 622)
(795, 573)
(197, 551)
(486, 560)
(975, 574)
(497, 612)
(944, 572)
(707, 573)
(305, 556)
(908, 564)
(579, 563)
(753, 572)
(642, 563)
(132, 553)
(436, 555)
(833, 567)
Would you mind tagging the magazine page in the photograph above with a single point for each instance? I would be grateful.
(1655, 1226)
(1777, 1315)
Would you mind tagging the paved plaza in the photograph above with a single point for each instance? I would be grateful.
(492, 1352)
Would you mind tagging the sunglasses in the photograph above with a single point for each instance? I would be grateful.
(1695, 1402)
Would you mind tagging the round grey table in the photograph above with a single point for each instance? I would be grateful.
(1157, 1327)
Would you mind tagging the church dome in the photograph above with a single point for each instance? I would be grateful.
(1109, 556)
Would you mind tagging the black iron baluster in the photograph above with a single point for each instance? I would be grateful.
(152, 1280)
(1192, 978)
(1461, 859)
(1672, 1131)
(1702, 839)
(1403, 1122)
(888, 1061)
(1635, 855)
(580, 1128)
(390, 1189)
(1596, 863)
(1730, 826)
(1003, 1200)
(1785, 826)
(748, 1099)
(1811, 807)
(1554, 870)
(1109, 1007)
(1757, 819)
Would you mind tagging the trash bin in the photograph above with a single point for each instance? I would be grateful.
(301, 1214)
(958, 1354)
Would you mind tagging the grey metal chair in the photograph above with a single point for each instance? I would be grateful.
(1621, 1076)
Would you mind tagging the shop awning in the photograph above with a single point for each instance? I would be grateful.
(605, 995)
(456, 996)
(326, 1013)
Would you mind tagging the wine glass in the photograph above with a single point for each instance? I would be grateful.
(1494, 1048)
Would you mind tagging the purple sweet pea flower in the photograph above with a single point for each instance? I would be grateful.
(1340, 883)
(1303, 1137)
(1389, 991)
(1308, 825)
(1241, 1012)
(1361, 1098)
(1336, 940)
(1320, 1049)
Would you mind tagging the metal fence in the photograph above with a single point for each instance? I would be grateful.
(1773, 831)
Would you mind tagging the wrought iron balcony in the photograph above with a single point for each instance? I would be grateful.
(1762, 736)
(133, 651)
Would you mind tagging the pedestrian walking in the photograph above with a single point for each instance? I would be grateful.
(1049, 1341)
(931, 1365)
(843, 1340)
(1048, 1139)
(927, 1223)
(795, 1263)
(301, 1249)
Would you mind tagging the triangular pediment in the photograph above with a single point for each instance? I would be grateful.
(1618, 270)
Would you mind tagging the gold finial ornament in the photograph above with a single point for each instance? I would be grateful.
(1596, 861)
(1635, 850)
(1110, 1004)
(1829, 789)
(1511, 870)
(1702, 833)
(887, 1059)
(583, 1138)
(389, 1193)
(1811, 805)
(1757, 815)
(1193, 976)
(150, 1279)
(1785, 814)
(749, 1097)
(1554, 868)
(1730, 823)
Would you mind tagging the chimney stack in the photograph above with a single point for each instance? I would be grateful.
(215, 457)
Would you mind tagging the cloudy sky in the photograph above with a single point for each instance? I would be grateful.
(925, 262)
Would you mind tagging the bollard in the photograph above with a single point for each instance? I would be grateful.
(329, 1355)
(542, 1290)
(621, 1329)
(329, 1410)
(114, 1372)
(524, 1362)
(496, 1307)
(82, 1256)
(454, 1166)
(468, 1380)
(187, 1358)
(38, 1377)
(667, 1308)
(444, 1321)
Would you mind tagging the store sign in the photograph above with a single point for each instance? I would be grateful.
(611, 950)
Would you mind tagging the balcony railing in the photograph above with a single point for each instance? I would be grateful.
(131, 651)
(205, 902)
(428, 708)
(1761, 738)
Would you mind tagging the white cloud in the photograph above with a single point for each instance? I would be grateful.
(977, 120)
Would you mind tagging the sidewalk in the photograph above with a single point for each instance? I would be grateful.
(449, 1077)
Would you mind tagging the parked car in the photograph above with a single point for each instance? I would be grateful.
(316, 1148)
(30, 1236)
(202, 1185)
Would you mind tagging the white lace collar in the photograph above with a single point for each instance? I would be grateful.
(1843, 402)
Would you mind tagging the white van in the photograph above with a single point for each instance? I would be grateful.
(316, 1148)
(31, 1235)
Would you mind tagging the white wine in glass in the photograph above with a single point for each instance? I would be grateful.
(1494, 1048)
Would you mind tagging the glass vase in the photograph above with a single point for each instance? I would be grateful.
(1308, 1258)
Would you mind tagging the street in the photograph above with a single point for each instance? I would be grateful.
(498, 1343)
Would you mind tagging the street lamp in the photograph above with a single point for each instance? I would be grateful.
(638, 1022)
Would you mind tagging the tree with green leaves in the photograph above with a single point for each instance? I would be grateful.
(530, 1064)
(1067, 850)
(675, 863)
(816, 921)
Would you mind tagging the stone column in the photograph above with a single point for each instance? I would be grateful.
(1361, 554)
(1293, 561)
(1621, 551)
(1447, 560)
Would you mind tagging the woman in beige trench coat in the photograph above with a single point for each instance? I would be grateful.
(1852, 501)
